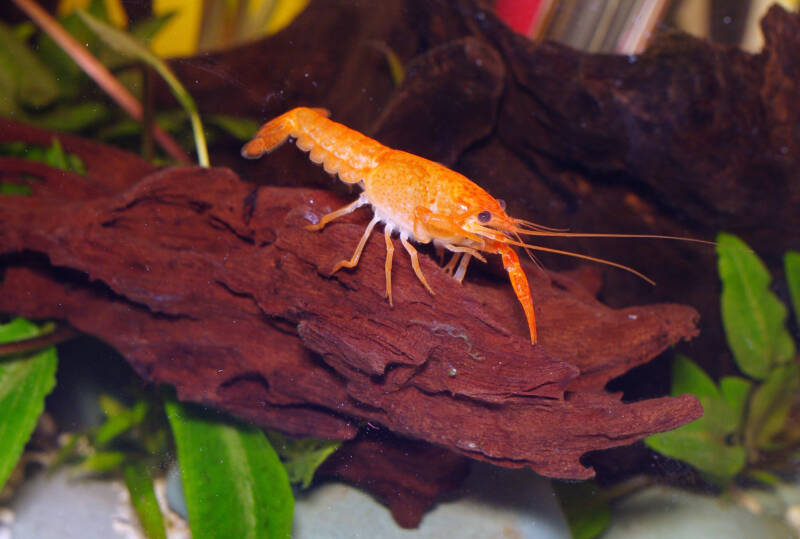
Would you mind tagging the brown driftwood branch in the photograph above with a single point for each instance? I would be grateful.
(212, 285)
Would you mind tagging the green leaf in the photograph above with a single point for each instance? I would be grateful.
(143, 498)
(127, 45)
(25, 381)
(171, 121)
(240, 128)
(302, 456)
(34, 84)
(24, 31)
(705, 443)
(67, 451)
(709, 443)
(234, 483)
(791, 263)
(771, 404)
(9, 107)
(8, 188)
(72, 118)
(120, 421)
(147, 29)
(753, 316)
(768, 478)
(735, 391)
(53, 156)
(69, 75)
(110, 406)
(688, 377)
(101, 462)
(585, 507)
(98, 9)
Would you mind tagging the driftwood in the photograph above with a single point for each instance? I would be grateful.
(213, 286)
(406, 475)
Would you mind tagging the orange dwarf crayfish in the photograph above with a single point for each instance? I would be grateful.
(421, 200)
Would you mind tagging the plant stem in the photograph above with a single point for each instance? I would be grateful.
(97, 71)
(60, 334)
(148, 120)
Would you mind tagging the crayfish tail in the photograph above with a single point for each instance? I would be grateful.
(271, 135)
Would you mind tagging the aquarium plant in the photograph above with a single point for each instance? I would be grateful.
(747, 430)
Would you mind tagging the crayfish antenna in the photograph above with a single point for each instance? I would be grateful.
(629, 269)
(533, 259)
(565, 234)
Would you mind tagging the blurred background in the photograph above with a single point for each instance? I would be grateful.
(611, 26)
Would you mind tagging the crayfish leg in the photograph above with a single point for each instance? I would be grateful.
(452, 263)
(415, 262)
(353, 262)
(387, 234)
(462, 268)
(344, 210)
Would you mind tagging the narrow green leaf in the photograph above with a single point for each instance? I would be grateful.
(67, 451)
(127, 45)
(110, 406)
(585, 507)
(99, 10)
(771, 404)
(302, 456)
(25, 381)
(120, 422)
(768, 478)
(71, 77)
(254, 25)
(395, 67)
(101, 462)
(143, 498)
(171, 121)
(393, 62)
(8, 188)
(753, 316)
(735, 390)
(147, 29)
(72, 118)
(116, 60)
(9, 107)
(791, 263)
(24, 31)
(53, 156)
(234, 483)
(34, 83)
(240, 128)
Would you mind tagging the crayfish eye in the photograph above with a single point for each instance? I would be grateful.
(484, 217)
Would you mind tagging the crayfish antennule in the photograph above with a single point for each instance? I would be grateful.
(524, 226)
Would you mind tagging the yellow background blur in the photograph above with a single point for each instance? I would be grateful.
(179, 37)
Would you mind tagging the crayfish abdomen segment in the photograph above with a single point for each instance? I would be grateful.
(339, 149)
